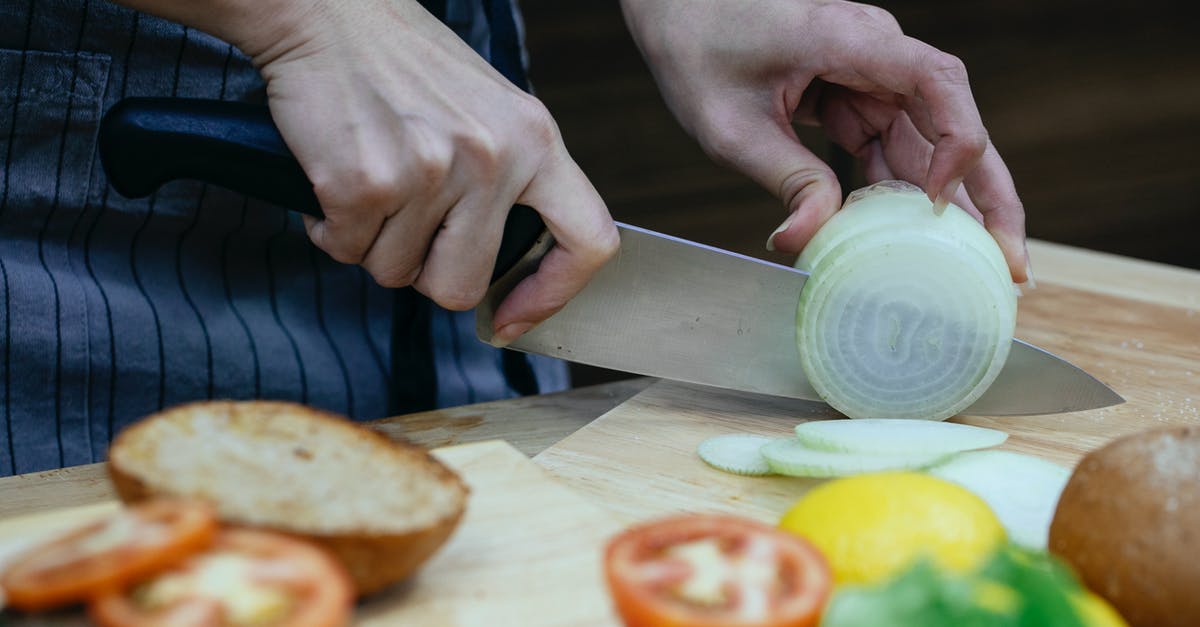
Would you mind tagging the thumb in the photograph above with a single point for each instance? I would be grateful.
(770, 153)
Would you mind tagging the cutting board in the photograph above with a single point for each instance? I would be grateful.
(526, 553)
(1133, 326)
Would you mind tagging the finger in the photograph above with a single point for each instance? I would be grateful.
(992, 189)
(364, 184)
(585, 239)
(460, 259)
(397, 256)
(910, 67)
(883, 137)
(907, 153)
(989, 195)
(764, 146)
(346, 233)
(875, 165)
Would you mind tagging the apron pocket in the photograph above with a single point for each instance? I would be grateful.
(50, 108)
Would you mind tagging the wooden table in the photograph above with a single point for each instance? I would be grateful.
(1133, 324)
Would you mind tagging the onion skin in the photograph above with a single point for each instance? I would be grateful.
(908, 313)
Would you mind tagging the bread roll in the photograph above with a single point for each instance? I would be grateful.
(1129, 523)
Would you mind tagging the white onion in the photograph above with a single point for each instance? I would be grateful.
(908, 313)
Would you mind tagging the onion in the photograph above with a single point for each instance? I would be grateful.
(736, 453)
(896, 435)
(1022, 490)
(907, 313)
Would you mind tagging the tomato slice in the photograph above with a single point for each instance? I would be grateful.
(109, 553)
(247, 577)
(715, 571)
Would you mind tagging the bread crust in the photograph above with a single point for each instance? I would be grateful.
(374, 559)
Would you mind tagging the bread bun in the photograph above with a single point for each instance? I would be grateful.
(381, 507)
(1129, 523)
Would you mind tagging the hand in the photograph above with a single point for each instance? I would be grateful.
(739, 74)
(417, 149)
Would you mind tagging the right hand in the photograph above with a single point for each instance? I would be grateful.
(417, 149)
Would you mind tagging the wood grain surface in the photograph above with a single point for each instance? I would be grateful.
(530, 424)
(510, 562)
(1135, 328)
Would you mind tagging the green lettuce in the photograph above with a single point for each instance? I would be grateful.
(1015, 588)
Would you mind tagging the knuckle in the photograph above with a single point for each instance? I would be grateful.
(536, 122)
(326, 186)
(947, 68)
(393, 275)
(366, 185)
(457, 297)
(600, 247)
(346, 254)
(968, 144)
(798, 185)
(482, 148)
(328, 238)
(836, 16)
(871, 14)
(431, 163)
(977, 141)
(607, 244)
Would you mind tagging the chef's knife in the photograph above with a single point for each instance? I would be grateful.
(662, 307)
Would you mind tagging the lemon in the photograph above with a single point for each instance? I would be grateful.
(872, 526)
(1096, 612)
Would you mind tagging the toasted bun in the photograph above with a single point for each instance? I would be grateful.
(1129, 523)
(381, 507)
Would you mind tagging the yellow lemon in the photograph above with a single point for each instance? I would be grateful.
(873, 526)
(1096, 612)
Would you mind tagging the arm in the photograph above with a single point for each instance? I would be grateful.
(416, 148)
(738, 75)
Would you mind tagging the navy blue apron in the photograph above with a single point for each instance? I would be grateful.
(112, 308)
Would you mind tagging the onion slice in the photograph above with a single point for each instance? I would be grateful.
(789, 457)
(736, 453)
(1022, 490)
(896, 435)
(908, 313)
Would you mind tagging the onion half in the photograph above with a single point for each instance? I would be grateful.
(907, 313)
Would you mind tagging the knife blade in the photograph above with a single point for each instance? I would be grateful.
(675, 309)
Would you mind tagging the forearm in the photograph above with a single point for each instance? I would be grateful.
(256, 27)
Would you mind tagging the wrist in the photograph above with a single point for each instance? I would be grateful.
(256, 27)
(265, 30)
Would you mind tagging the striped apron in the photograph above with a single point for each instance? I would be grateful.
(113, 308)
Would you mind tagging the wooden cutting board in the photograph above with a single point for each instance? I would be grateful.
(1133, 325)
(526, 553)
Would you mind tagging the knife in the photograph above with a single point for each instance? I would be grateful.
(662, 307)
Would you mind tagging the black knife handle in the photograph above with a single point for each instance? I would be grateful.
(146, 142)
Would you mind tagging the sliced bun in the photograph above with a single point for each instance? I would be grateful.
(379, 506)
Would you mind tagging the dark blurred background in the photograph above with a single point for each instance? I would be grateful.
(1094, 106)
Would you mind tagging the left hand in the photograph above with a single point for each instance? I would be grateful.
(738, 75)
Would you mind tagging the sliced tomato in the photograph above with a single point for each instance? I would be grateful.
(715, 571)
(246, 577)
(109, 553)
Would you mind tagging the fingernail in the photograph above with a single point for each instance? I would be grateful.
(944, 198)
(1030, 282)
(782, 227)
(509, 333)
